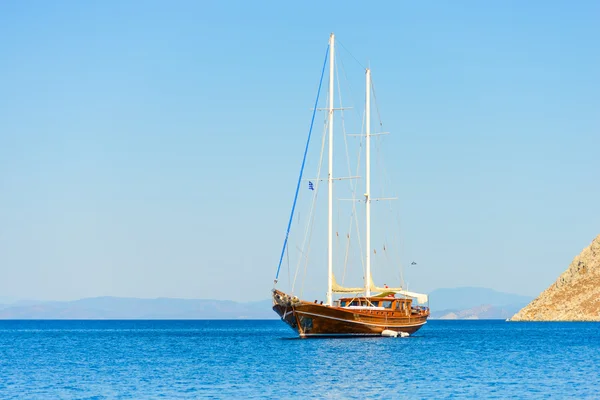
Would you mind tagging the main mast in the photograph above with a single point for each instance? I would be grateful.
(330, 176)
(368, 182)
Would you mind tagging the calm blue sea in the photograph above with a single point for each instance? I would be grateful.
(262, 359)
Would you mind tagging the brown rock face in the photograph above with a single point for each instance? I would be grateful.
(575, 296)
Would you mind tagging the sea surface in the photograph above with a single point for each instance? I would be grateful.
(263, 359)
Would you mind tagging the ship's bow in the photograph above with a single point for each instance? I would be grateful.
(283, 305)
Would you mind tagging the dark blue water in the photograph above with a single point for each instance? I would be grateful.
(259, 359)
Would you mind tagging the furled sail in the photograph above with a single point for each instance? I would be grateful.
(421, 298)
(340, 289)
(375, 288)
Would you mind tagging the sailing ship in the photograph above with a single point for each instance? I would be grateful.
(363, 311)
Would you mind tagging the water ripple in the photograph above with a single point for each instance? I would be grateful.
(250, 359)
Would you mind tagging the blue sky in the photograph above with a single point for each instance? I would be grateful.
(152, 148)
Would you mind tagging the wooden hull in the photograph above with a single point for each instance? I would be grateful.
(314, 320)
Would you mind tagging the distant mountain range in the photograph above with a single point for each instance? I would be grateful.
(458, 303)
(134, 308)
(474, 303)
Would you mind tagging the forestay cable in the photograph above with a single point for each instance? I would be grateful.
(287, 233)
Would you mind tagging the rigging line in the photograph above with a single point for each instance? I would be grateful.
(354, 184)
(351, 182)
(400, 245)
(289, 275)
(346, 256)
(394, 233)
(386, 179)
(336, 245)
(310, 224)
(382, 181)
(341, 60)
(351, 55)
(376, 103)
(354, 209)
(310, 230)
(385, 182)
(299, 212)
(396, 236)
(287, 234)
(343, 123)
(385, 172)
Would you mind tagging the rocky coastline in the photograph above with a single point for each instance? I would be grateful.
(575, 296)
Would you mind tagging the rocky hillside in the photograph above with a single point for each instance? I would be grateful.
(575, 296)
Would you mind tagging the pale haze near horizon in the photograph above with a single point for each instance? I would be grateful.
(152, 150)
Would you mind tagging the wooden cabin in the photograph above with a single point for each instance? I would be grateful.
(391, 306)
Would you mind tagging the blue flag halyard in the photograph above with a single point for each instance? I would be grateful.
(310, 185)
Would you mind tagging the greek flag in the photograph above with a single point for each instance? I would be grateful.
(310, 185)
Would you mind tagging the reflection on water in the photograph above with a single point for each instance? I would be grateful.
(263, 359)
